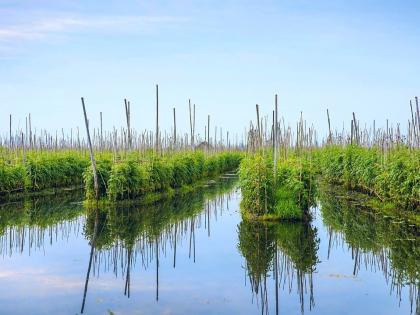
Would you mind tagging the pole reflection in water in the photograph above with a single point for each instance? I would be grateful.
(289, 250)
(184, 255)
(123, 237)
(377, 242)
(92, 250)
(29, 225)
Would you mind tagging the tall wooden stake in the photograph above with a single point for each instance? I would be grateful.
(208, 131)
(92, 157)
(10, 130)
(329, 128)
(157, 120)
(275, 138)
(191, 124)
(102, 139)
(174, 127)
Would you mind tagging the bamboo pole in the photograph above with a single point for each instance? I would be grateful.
(329, 128)
(257, 108)
(10, 131)
(174, 126)
(208, 132)
(157, 120)
(92, 157)
(127, 116)
(193, 129)
(191, 124)
(102, 140)
(275, 137)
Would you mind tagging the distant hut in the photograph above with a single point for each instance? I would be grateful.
(203, 146)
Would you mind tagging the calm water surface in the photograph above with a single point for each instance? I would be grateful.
(194, 255)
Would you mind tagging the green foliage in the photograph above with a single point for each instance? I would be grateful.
(103, 168)
(257, 184)
(120, 176)
(286, 207)
(134, 177)
(285, 197)
(42, 170)
(12, 178)
(160, 174)
(392, 176)
(187, 168)
(128, 179)
(54, 170)
(296, 188)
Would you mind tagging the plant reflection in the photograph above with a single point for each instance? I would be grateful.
(289, 250)
(376, 241)
(122, 237)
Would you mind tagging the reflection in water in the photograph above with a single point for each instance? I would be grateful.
(123, 237)
(377, 242)
(280, 259)
(29, 224)
(289, 250)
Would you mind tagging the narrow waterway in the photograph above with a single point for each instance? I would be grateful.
(194, 255)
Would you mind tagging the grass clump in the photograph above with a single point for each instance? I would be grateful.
(391, 176)
(41, 170)
(54, 170)
(12, 178)
(103, 167)
(286, 196)
(257, 185)
(128, 180)
(145, 176)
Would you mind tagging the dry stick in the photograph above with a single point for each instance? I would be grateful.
(26, 130)
(10, 131)
(257, 108)
(329, 128)
(275, 138)
(102, 140)
(215, 138)
(191, 124)
(193, 130)
(23, 150)
(356, 132)
(157, 120)
(174, 127)
(418, 121)
(208, 132)
(30, 131)
(413, 130)
(227, 139)
(92, 157)
(127, 116)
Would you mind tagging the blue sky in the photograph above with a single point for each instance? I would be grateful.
(360, 55)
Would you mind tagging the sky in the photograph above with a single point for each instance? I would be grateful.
(359, 56)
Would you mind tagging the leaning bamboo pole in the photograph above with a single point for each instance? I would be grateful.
(92, 157)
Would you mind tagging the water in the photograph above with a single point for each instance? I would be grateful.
(194, 255)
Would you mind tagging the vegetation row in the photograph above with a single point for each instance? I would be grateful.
(284, 194)
(391, 176)
(42, 170)
(136, 176)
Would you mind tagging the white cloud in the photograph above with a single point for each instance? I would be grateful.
(41, 28)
